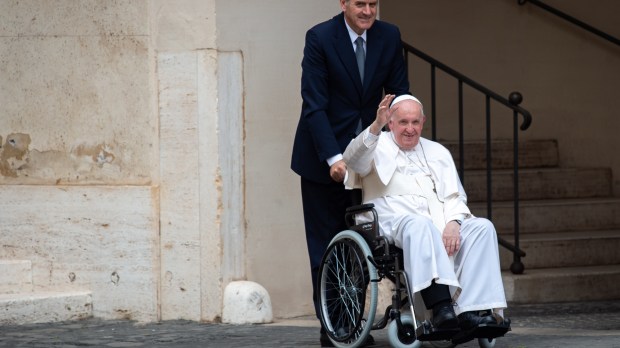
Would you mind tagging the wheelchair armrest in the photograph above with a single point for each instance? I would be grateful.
(356, 209)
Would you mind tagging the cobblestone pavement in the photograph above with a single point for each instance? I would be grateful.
(592, 325)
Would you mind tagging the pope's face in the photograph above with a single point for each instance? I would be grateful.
(359, 14)
(407, 123)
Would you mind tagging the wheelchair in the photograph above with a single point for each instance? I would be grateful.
(355, 261)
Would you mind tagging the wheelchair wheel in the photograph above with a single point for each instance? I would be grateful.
(344, 277)
(399, 339)
(486, 343)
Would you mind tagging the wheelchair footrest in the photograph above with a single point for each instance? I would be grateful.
(426, 332)
(481, 331)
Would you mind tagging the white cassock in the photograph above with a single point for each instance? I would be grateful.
(415, 194)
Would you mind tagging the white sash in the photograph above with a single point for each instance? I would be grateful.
(400, 185)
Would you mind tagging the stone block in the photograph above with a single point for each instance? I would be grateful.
(246, 302)
(45, 307)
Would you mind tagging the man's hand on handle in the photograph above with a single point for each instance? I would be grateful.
(337, 171)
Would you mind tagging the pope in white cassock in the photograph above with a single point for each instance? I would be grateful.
(450, 256)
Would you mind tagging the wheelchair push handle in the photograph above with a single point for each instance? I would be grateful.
(356, 209)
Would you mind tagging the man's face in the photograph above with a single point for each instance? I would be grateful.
(359, 14)
(406, 124)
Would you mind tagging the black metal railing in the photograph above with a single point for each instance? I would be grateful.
(572, 20)
(512, 103)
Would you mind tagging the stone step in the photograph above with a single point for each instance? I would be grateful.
(15, 276)
(565, 249)
(564, 284)
(44, 307)
(546, 183)
(560, 215)
(532, 154)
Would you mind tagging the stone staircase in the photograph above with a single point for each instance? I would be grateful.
(21, 304)
(569, 222)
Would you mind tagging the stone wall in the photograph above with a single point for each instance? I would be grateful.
(75, 93)
(108, 166)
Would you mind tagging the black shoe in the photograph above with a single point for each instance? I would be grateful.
(469, 320)
(444, 317)
(325, 341)
(370, 341)
(505, 322)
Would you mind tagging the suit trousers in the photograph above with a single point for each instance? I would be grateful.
(324, 207)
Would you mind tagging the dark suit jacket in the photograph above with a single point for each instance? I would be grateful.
(332, 92)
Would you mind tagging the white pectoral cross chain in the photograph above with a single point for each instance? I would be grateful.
(422, 167)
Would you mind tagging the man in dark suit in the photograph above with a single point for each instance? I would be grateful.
(337, 94)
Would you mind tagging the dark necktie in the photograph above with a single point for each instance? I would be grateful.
(360, 55)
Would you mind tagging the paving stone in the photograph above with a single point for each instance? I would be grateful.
(562, 325)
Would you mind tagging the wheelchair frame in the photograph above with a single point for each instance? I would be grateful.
(355, 261)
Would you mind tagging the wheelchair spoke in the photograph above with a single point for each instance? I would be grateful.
(345, 289)
(344, 279)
